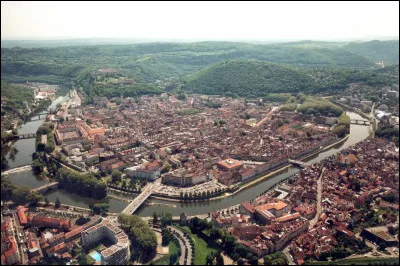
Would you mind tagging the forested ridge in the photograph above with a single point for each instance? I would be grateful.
(251, 78)
(151, 61)
(307, 65)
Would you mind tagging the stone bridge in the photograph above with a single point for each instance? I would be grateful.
(299, 163)
(360, 122)
(138, 201)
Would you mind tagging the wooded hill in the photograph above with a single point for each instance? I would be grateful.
(151, 61)
(251, 78)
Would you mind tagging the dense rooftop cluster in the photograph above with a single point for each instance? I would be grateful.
(319, 210)
(187, 142)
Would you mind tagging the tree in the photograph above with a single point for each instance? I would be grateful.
(61, 120)
(210, 258)
(166, 219)
(6, 189)
(82, 259)
(142, 237)
(219, 259)
(24, 195)
(172, 259)
(166, 168)
(37, 166)
(116, 176)
(58, 203)
(99, 208)
(155, 218)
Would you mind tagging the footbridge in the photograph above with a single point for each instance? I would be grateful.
(299, 163)
(39, 116)
(26, 136)
(360, 122)
(46, 187)
(139, 200)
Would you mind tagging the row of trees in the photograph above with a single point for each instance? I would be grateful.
(143, 239)
(84, 184)
(202, 194)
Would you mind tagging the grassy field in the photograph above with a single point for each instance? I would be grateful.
(201, 248)
(173, 249)
(359, 261)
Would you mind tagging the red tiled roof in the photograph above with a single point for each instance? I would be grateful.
(74, 232)
(268, 206)
(59, 246)
(21, 215)
(288, 217)
(230, 163)
(248, 207)
(13, 247)
(66, 255)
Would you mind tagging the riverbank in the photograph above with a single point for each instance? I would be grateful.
(255, 181)
(249, 184)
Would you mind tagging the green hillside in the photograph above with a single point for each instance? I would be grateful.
(386, 51)
(250, 78)
(151, 61)
(247, 77)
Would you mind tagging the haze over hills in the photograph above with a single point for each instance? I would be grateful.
(30, 42)
(152, 61)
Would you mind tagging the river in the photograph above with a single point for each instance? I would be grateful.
(26, 148)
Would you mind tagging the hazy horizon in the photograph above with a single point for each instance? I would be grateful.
(68, 38)
(200, 21)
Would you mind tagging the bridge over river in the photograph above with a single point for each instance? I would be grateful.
(299, 163)
(360, 122)
(139, 200)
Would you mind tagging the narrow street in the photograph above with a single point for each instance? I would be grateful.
(319, 195)
(288, 256)
(18, 231)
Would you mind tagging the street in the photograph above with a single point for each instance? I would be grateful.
(18, 231)
(319, 195)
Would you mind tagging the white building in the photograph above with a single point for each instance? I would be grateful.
(117, 254)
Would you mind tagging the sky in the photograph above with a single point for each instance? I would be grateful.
(200, 20)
